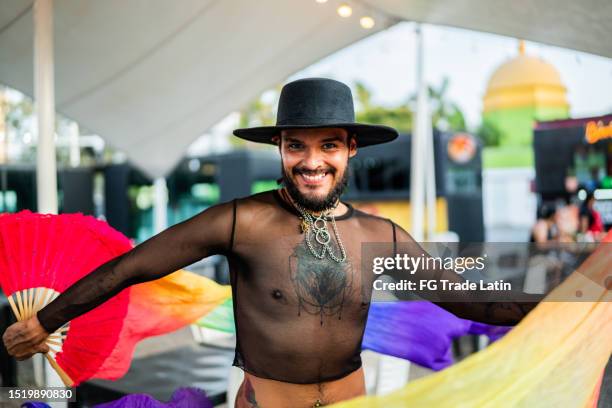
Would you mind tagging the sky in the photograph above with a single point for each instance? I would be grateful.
(385, 62)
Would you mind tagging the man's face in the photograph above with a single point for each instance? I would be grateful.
(315, 164)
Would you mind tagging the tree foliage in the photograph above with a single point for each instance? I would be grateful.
(445, 114)
(489, 134)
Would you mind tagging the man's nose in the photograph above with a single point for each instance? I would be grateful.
(313, 159)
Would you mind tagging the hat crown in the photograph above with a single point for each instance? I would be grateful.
(315, 101)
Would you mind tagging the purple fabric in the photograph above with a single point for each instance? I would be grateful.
(186, 397)
(35, 405)
(493, 332)
(419, 331)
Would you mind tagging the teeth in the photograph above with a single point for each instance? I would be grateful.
(314, 178)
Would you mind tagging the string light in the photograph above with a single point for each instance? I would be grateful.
(344, 10)
(367, 22)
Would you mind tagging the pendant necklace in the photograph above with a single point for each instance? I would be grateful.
(316, 226)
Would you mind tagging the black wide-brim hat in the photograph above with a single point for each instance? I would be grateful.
(318, 103)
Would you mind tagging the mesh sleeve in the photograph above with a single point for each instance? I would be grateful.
(466, 304)
(207, 233)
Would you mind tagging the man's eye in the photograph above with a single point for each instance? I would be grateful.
(329, 146)
(294, 146)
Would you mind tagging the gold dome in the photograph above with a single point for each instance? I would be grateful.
(525, 70)
(525, 81)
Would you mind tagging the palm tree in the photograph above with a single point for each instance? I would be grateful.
(445, 114)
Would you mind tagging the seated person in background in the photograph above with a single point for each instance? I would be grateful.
(545, 228)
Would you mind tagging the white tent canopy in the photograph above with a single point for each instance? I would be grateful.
(580, 25)
(151, 76)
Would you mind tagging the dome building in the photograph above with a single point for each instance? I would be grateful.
(521, 91)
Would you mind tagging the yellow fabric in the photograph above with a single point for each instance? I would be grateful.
(553, 358)
(183, 296)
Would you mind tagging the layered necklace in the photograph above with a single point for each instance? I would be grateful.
(316, 226)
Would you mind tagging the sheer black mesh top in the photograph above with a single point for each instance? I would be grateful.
(299, 319)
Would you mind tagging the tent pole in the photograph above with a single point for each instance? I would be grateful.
(75, 149)
(46, 172)
(160, 205)
(393, 373)
(430, 181)
(417, 160)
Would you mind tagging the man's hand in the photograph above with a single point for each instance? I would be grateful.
(26, 338)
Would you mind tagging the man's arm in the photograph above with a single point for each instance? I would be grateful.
(205, 234)
(465, 304)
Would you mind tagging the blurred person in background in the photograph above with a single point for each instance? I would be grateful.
(593, 183)
(591, 223)
(545, 228)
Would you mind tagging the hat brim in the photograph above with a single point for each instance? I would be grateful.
(367, 135)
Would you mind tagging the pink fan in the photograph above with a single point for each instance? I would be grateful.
(41, 255)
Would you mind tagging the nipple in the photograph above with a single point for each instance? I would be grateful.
(277, 294)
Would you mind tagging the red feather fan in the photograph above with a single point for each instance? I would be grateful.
(41, 255)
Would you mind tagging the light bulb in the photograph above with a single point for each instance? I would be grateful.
(367, 22)
(344, 10)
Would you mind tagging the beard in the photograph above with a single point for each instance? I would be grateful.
(315, 204)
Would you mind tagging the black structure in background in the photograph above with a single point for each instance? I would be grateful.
(78, 189)
(22, 180)
(118, 208)
(555, 144)
(116, 202)
(234, 172)
(382, 172)
(75, 187)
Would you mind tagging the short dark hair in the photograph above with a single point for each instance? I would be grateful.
(547, 211)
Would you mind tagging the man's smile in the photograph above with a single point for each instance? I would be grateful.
(315, 178)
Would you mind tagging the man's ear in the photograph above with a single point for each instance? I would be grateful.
(352, 145)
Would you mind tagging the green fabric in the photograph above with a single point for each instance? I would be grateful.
(220, 318)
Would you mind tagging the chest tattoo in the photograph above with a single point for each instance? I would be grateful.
(321, 285)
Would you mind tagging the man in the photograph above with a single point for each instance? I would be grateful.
(300, 297)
